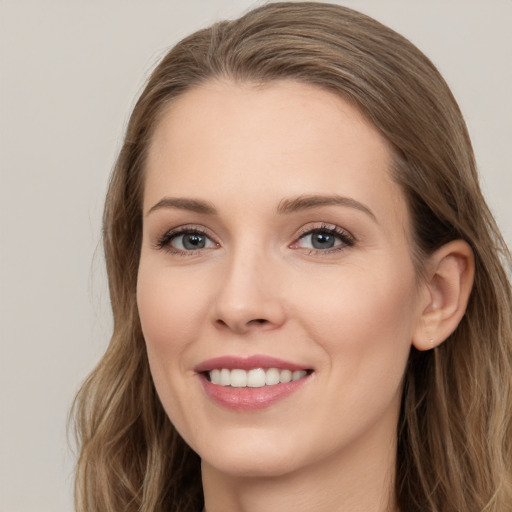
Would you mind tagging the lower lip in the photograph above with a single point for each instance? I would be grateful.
(250, 399)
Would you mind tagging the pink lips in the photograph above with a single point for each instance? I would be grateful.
(246, 363)
(247, 399)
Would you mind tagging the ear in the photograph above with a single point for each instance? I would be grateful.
(450, 272)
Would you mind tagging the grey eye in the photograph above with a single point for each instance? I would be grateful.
(192, 241)
(320, 239)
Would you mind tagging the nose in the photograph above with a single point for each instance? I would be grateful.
(248, 298)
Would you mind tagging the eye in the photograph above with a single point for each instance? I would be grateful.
(325, 239)
(186, 241)
(190, 241)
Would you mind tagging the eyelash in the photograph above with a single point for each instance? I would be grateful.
(346, 238)
(164, 242)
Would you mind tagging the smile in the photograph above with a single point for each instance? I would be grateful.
(251, 383)
(254, 378)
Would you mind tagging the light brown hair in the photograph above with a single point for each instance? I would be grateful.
(455, 430)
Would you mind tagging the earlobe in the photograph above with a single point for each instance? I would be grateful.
(450, 274)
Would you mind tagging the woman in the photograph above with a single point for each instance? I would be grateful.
(310, 309)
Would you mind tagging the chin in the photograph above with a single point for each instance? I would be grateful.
(256, 457)
(264, 466)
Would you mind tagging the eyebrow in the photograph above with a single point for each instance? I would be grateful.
(181, 203)
(285, 207)
(306, 202)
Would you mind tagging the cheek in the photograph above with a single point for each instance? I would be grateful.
(364, 321)
(171, 313)
(168, 307)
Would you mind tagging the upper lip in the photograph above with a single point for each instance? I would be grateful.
(247, 363)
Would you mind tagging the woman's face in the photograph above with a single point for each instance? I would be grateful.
(275, 246)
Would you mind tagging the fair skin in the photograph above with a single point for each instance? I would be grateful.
(272, 228)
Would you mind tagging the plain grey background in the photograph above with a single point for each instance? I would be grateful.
(70, 73)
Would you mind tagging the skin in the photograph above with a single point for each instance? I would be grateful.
(349, 313)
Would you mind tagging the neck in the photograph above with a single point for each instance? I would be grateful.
(350, 482)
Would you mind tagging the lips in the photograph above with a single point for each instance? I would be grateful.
(247, 363)
(250, 383)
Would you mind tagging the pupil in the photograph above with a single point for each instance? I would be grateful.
(194, 241)
(322, 241)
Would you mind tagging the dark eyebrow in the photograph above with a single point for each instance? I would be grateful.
(180, 203)
(305, 202)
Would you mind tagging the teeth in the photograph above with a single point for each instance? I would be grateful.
(225, 378)
(298, 374)
(256, 378)
(238, 378)
(215, 376)
(285, 376)
(272, 376)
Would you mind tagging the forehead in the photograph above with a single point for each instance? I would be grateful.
(246, 142)
(285, 112)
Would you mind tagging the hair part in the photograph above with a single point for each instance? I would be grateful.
(455, 431)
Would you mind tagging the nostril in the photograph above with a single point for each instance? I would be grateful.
(234, 325)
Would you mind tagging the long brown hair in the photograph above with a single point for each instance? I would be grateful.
(455, 430)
